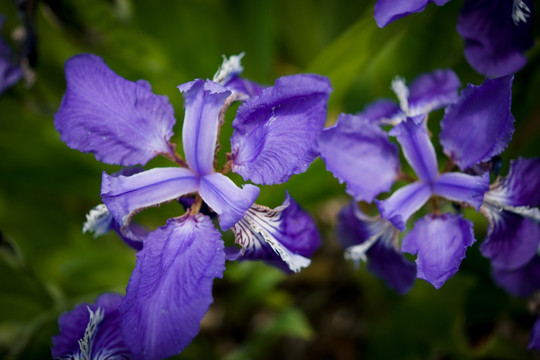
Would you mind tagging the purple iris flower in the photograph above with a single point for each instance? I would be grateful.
(496, 32)
(10, 73)
(123, 122)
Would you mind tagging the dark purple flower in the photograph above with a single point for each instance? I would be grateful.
(534, 343)
(10, 72)
(387, 11)
(92, 331)
(523, 281)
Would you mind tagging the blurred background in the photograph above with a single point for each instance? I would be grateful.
(328, 311)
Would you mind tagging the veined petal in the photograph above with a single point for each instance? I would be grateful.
(462, 187)
(126, 195)
(403, 203)
(119, 121)
(375, 240)
(522, 281)
(417, 147)
(90, 331)
(433, 91)
(495, 35)
(521, 187)
(387, 11)
(440, 242)
(285, 236)
(479, 124)
(275, 133)
(170, 289)
(382, 111)
(227, 199)
(512, 239)
(358, 153)
(203, 100)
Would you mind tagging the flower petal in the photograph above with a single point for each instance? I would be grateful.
(203, 100)
(417, 147)
(479, 124)
(285, 236)
(495, 39)
(126, 195)
(522, 281)
(521, 186)
(91, 328)
(276, 133)
(227, 199)
(403, 203)
(440, 241)
(120, 121)
(170, 289)
(534, 343)
(358, 153)
(462, 187)
(381, 111)
(387, 11)
(433, 91)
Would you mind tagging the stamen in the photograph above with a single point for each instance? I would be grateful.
(402, 92)
(98, 221)
(229, 68)
(520, 12)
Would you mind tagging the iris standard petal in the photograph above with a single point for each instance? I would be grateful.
(90, 331)
(417, 147)
(479, 124)
(523, 281)
(358, 153)
(387, 11)
(119, 121)
(495, 36)
(440, 242)
(521, 186)
(462, 187)
(285, 236)
(126, 195)
(433, 91)
(170, 289)
(227, 199)
(382, 111)
(203, 100)
(403, 203)
(275, 133)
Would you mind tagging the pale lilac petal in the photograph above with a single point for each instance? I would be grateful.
(119, 121)
(358, 153)
(227, 199)
(170, 289)
(534, 343)
(126, 195)
(512, 239)
(285, 236)
(381, 111)
(103, 335)
(275, 134)
(203, 100)
(440, 243)
(494, 40)
(387, 11)
(433, 91)
(521, 187)
(523, 281)
(479, 125)
(403, 203)
(462, 187)
(417, 147)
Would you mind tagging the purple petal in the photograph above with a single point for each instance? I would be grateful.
(512, 239)
(120, 121)
(403, 203)
(521, 186)
(462, 187)
(227, 199)
(523, 281)
(285, 236)
(203, 100)
(417, 147)
(494, 41)
(381, 111)
(479, 125)
(126, 195)
(358, 153)
(390, 265)
(245, 86)
(101, 321)
(170, 289)
(440, 241)
(276, 133)
(433, 91)
(387, 11)
(534, 343)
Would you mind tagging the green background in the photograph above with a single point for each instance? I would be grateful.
(328, 311)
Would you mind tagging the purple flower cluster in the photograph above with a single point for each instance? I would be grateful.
(122, 122)
(496, 32)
